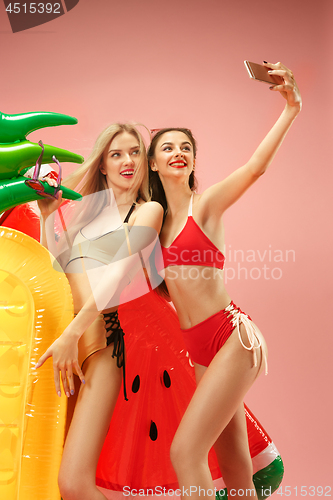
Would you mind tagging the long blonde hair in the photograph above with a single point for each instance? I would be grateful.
(88, 179)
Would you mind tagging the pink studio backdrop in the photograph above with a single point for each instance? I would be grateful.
(180, 62)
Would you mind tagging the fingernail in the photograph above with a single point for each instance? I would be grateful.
(67, 394)
(269, 71)
(72, 392)
(35, 367)
(59, 394)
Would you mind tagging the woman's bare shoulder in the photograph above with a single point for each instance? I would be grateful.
(149, 213)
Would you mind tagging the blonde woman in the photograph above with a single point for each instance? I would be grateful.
(92, 345)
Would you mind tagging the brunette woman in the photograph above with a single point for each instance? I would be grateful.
(226, 347)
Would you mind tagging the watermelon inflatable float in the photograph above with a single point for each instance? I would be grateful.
(160, 383)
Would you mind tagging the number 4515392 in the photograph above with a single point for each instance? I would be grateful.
(304, 491)
(33, 8)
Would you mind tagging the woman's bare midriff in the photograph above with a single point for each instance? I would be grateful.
(81, 291)
(197, 292)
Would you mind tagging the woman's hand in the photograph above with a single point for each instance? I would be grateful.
(64, 352)
(288, 89)
(49, 205)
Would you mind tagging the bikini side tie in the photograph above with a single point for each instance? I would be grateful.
(251, 331)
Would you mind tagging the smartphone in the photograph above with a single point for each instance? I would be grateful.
(260, 73)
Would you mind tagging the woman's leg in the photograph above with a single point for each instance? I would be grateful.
(233, 455)
(216, 410)
(232, 447)
(95, 404)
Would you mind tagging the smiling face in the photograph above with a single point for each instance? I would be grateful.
(173, 156)
(121, 161)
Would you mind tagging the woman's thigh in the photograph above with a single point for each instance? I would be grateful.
(220, 392)
(94, 407)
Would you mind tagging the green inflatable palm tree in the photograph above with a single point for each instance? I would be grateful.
(17, 155)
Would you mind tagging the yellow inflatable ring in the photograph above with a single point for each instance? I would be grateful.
(35, 307)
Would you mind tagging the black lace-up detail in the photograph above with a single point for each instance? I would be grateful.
(115, 335)
(114, 332)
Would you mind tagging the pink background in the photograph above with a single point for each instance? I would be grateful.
(180, 62)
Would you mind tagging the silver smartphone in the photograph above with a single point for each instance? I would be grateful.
(260, 73)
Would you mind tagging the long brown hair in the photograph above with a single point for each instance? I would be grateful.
(156, 188)
(155, 184)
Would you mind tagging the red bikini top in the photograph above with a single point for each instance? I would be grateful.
(192, 247)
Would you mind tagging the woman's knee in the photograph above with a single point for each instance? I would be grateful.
(74, 488)
(175, 451)
(184, 453)
(179, 453)
(66, 486)
(237, 466)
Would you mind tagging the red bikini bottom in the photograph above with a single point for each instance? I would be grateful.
(205, 339)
